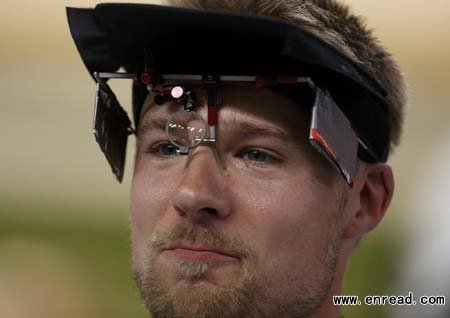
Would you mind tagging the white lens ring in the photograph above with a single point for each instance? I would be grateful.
(186, 129)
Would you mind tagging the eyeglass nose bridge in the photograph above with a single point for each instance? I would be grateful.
(211, 143)
(184, 150)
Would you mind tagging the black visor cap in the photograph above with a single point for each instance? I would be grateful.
(189, 41)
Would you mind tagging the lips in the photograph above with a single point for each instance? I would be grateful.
(199, 253)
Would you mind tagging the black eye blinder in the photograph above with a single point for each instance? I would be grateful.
(111, 127)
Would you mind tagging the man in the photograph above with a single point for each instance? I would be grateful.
(263, 128)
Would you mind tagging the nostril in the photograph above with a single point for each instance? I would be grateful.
(210, 211)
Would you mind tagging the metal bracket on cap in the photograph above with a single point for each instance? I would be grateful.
(324, 133)
(211, 82)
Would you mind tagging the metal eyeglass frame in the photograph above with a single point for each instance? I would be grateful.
(211, 83)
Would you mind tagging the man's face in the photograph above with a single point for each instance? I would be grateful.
(259, 240)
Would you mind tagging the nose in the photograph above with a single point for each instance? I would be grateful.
(202, 194)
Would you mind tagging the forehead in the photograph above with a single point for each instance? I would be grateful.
(240, 103)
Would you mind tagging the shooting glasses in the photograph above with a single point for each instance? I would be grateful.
(330, 131)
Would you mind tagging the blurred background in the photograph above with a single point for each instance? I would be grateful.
(64, 219)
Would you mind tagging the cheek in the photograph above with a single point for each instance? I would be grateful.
(290, 218)
(150, 198)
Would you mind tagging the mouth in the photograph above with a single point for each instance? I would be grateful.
(199, 253)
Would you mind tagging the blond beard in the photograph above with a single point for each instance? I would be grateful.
(245, 297)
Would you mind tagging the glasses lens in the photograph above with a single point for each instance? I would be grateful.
(186, 129)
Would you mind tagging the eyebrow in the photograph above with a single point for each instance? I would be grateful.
(234, 126)
(248, 129)
(158, 123)
(245, 129)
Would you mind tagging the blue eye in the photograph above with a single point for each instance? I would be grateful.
(257, 155)
(168, 149)
(260, 158)
(163, 149)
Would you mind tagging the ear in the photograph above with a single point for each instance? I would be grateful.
(374, 195)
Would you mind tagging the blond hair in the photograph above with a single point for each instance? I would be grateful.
(336, 24)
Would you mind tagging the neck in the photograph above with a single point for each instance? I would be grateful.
(328, 309)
